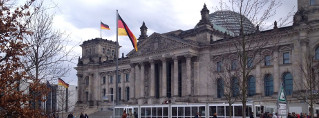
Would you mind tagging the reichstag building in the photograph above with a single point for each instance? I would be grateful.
(178, 73)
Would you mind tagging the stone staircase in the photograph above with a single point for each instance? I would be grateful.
(101, 111)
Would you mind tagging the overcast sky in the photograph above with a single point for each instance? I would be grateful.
(81, 19)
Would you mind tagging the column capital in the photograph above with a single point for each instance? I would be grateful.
(175, 57)
(151, 61)
(141, 63)
(188, 56)
(132, 64)
(163, 59)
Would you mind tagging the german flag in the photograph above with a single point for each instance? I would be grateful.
(104, 26)
(123, 30)
(62, 83)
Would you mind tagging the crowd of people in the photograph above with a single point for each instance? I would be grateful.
(81, 116)
(290, 115)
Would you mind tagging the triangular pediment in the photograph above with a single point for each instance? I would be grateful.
(157, 43)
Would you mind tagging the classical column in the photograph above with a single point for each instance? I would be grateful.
(137, 82)
(132, 81)
(142, 78)
(175, 79)
(91, 86)
(152, 78)
(276, 77)
(188, 74)
(123, 88)
(80, 90)
(164, 77)
(259, 79)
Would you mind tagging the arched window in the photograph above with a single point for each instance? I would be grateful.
(317, 53)
(220, 88)
(235, 86)
(269, 85)
(251, 86)
(288, 83)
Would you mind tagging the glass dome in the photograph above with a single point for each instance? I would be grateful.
(231, 21)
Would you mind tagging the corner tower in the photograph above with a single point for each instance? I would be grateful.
(97, 50)
(308, 11)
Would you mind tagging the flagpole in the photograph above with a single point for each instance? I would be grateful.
(100, 29)
(117, 63)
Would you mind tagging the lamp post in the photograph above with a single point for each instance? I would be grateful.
(113, 116)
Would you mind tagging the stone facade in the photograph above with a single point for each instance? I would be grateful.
(180, 66)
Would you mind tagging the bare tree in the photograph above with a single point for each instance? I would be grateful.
(308, 87)
(48, 55)
(228, 80)
(248, 47)
(64, 100)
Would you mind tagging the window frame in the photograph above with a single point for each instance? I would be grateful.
(267, 60)
(268, 85)
(219, 66)
(127, 77)
(233, 65)
(103, 80)
(288, 87)
(250, 61)
(284, 59)
(111, 79)
(220, 88)
(251, 88)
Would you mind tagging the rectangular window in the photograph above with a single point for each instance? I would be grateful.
(104, 80)
(313, 2)
(104, 92)
(111, 91)
(119, 79)
(233, 64)
(120, 94)
(127, 93)
(219, 66)
(267, 60)
(111, 79)
(127, 76)
(250, 62)
(286, 58)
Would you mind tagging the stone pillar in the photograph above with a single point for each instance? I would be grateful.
(91, 86)
(276, 77)
(188, 75)
(142, 78)
(164, 77)
(175, 79)
(152, 78)
(123, 88)
(259, 80)
(132, 81)
(80, 86)
(137, 82)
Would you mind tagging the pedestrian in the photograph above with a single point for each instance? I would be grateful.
(251, 115)
(289, 115)
(197, 115)
(135, 115)
(86, 116)
(130, 115)
(124, 114)
(274, 115)
(82, 116)
(70, 115)
(215, 115)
